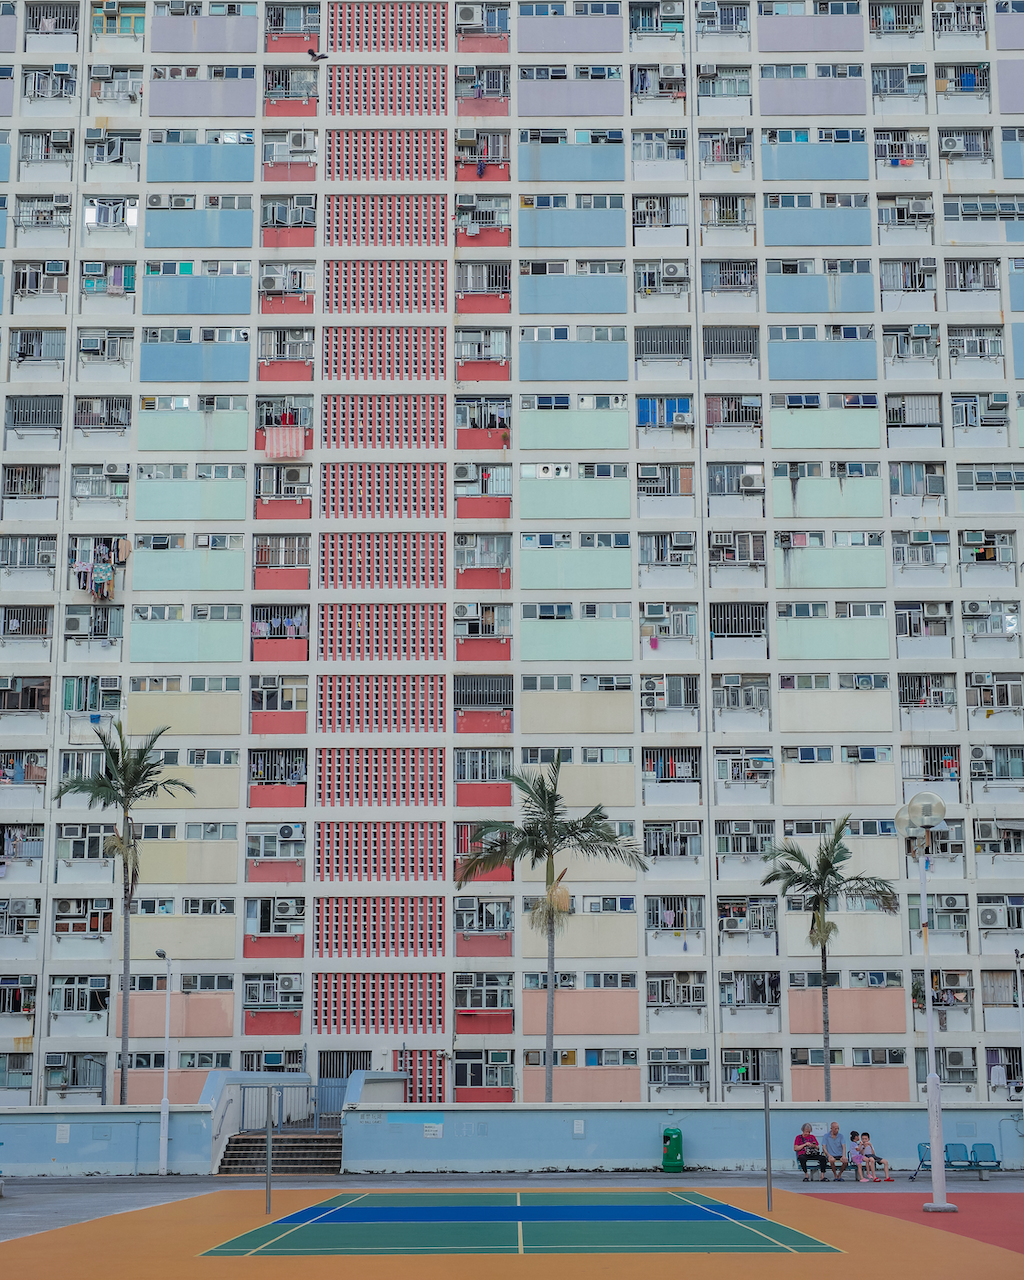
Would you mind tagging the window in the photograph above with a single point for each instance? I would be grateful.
(539, 981)
(483, 915)
(860, 609)
(610, 981)
(876, 977)
(750, 1066)
(610, 1057)
(670, 1068)
(866, 755)
(606, 905)
(547, 684)
(484, 1068)
(205, 1059)
(152, 907)
(546, 755)
(802, 609)
(814, 1057)
(483, 990)
(674, 912)
(480, 765)
(808, 755)
(879, 1057)
(191, 982)
(807, 978)
(208, 906)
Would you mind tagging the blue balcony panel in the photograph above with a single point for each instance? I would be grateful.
(540, 162)
(5, 163)
(199, 228)
(820, 293)
(194, 362)
(817, 226)
(808, 161)
(573, 228)
(572, 295)
(196, 295)
(1017, 338)
(190, 500)
(1013, 160)
(593, 34)
(549, 98)
(1016, 291)
(194, 569)
(819, 361)
(200, 162)
(573, 362)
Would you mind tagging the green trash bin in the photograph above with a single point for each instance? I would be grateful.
(672, 1151)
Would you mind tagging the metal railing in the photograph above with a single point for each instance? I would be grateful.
(296, 1108)
(278, 765)
(738, 619)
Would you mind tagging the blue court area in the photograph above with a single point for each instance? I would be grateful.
(561, 1222)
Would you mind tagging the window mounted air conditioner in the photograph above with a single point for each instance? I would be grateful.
(90, 346)
(183, 202)
(56, 1060)
(95, 135)
(465, 137)
(654, 610)
(973, 537)
(917, 71)
(464, 201)
(708, 69)
(722, 539)
(463, 612)
(466, 73)
(921, 330)
(648, 473)
(102, 71)
(465, 980)
(60, 137)
(992, 918)
(684, 540)
(62, 200)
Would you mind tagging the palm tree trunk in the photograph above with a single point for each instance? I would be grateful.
(549, 1040)
(825, 1032)
(126, 959)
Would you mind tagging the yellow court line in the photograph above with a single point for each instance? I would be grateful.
(519, 1225)
(299, 1225)
(725, 1218)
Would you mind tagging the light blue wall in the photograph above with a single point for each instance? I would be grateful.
(821, 497)
(1013, 159)
(574, 499)
(539, 162)
(572, 295)
(201, 162)
(818, 293)
(817, 226)
(832, 639)
(572, 568)
(1017, 335)
(1016, 291)
(573, 362)
(190, 500)
(159, 430)
(576, 640)
(825, 429)
(5, 163)
(102, 1140)
(195, 569)
(810, 160)
(817, 567)
(186, 641)
(196, 295)
(550, 98)
(812, 361)
(571, 228)
(199, 228)
(194, 362)
(523, 1137)
(574, 429)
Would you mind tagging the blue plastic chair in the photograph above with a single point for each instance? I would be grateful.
(924, 1158)
(956, 1156)
(983, 1156)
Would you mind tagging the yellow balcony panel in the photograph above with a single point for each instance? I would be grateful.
(185, 713)
(861, 933)
(215, 787)
(585, 785)
(844, 785)
(576, 713)
(820, 710)
(183, 937)
(598, 936)
(580, 870)
(188, 861)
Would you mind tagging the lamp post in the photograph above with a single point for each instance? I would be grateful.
(1020, 1006)
(165, 1105)
(916, 820)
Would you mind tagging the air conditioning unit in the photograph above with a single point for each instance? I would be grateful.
(992, 917)
(302, 141)
(465, 72)
(673, 270)
(62, 200)
(156, 202)
(951, 980)
(466, 471)
(470, 15)
(738, 131)
(465, 137)
(464, 200)
(683, 540)
(708, 69)
(60, 137)
(70, 907)
(110, 684)
(90, 346)
(682, 419)
(951, 147)
(731, 1057)
(733, 924)
(973, 537)
(981, 679)
(917, 70)
(977, 608)
(289, 982)
(95, 135)
(920, 206)
(22, 907)
(116, 470)
(980, 753)
(102, 71)
(272, 284)
(920, 331)
(462, 612)
(751, 483)
(675, 9)
(464, 980)
(671, 71)
(648, 473)
(652, 610)
(954, 902)
(289, 908)
(986, 831)
(56, 1059)
(183, 202)
(958, 1058)
(288, 832)
(934, 609)
(722, 539)
(998, 398)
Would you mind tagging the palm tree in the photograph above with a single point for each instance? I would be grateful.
(819, 884)
(546, 832)
(130, 774)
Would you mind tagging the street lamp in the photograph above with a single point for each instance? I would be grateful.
(165, 1104)
(916, 820)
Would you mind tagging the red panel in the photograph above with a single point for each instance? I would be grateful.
(286, 304)
(382, 560)
(486, 238)
(369, 632)
(485, 1095)
(284, 371)
(287, 237)
(469, 171)
(380, 704)
(483, 944)
(483, 795)
(483, 107)
(376, 1003)
(483, 507)
(389, 90)
(363, 927)
(470, 579)
(482, 44)
(278, 722)
(275, 870)
(277, 1022)
(480, 438)
(380, 776)
(290, 106)
(280, 649)
(385, 422)
(483, 1022)
(293, 44)
(410, 26)
(483, 371)
(387, 155)
(362, 284)
(474, 304)
(277, 795)
(380, 851)
(284, 508)
(499, 873)
(273, 946)
(290, 171)
(395, 354)
(385, 220)
(483, 722)
(398, 489)
(261, 439)
(270, 579)
(483, 648)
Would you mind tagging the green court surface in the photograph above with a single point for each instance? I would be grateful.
(513, 1222)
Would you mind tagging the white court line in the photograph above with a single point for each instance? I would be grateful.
(299, 1225)
(726, 1218)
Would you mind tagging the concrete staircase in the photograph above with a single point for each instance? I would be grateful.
(292, 1155)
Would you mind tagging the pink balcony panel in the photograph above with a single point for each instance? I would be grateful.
(470, 579)
(483, 44)
(483, 507)
(261, 438)
(483, 944)
(287, 237)
(277, 795)
(146, 1087)
(483, 648)
(476, 304)
(480, 438)
(483, 107)
(290, 171)
(483, 722)
(493, 171)
(284, 508)
(852, 1084)
(483, 370)
(483, 1022)
(486, 238)
(285, 371)
(280, 649)
(851, 1011)
(583, 1013)
(280, 579)
(585, 1084)
(272, 1022)
(286, 304)
(289, 107)
(275, 870)
(279, 722)
(499, 873)
(292, 44)
(483, 795)
(273, 946)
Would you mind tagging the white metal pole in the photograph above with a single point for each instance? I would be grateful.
(1020, 1009)
(768, 1145)
(939, 1203)
(165, 1104)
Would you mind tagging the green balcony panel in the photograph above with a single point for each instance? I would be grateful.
(821, 498)
(829, 567)
(162, 430)
(574, 429)
(577, 640)
(600, 567)
(825, 428)
(190, 500)
(832, 639)
(574, 499)
(186, 641)
(193, 570)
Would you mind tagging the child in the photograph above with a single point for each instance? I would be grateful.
(868, 1153)
(856, 1156)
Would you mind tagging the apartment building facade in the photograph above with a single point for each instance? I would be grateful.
(442, 442)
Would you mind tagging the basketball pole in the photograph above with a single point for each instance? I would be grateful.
(767, 1146)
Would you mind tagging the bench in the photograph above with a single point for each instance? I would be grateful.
(982, 1158)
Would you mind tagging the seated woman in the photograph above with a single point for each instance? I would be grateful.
(806, 1147)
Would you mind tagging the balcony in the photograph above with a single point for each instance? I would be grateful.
(571, 162)
(192, 430)
(188, 570)
(280, 633)
(572, 295)
(186, 641)
(194, 98)
(573, 361)
(572, 228)
(191, 500)
(804, 161)
(186, 362)
(577, 640)
(199, 228)
(855, 360)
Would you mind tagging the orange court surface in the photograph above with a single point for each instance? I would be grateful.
(226, 1235)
